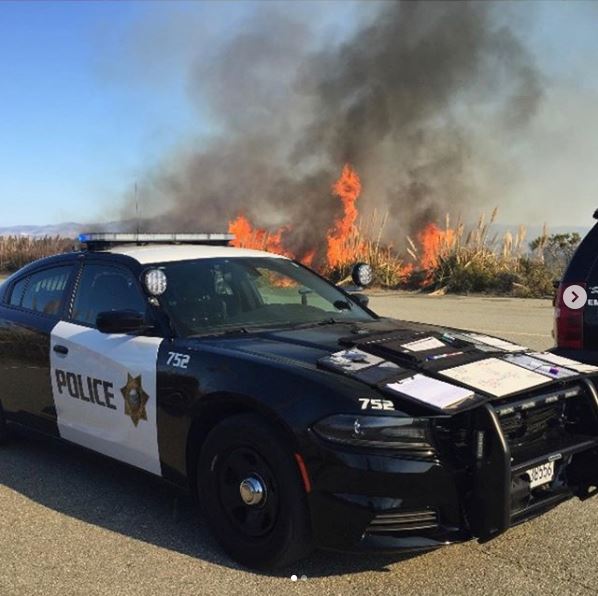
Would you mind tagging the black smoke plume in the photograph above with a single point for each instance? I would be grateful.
(409, 100)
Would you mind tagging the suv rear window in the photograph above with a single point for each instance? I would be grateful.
(42, 291)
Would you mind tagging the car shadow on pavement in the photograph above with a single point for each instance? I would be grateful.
(98, 491)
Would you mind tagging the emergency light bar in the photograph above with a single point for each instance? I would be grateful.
(102, 240)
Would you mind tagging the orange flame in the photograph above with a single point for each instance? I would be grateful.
(434, 241)
(308, 258)
(406, 271)
(246, 236)
(347, 188)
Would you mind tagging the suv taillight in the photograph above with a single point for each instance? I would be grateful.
(568, 322)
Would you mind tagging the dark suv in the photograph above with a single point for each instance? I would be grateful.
(576, 329)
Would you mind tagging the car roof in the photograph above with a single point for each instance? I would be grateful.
(165, 253)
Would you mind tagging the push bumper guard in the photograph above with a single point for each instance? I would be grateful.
(501, 496)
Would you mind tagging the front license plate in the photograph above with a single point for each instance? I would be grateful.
(541, 474)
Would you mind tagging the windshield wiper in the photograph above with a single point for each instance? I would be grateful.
(330, 321)
(230, 331)
(308, 324)
(274, 327)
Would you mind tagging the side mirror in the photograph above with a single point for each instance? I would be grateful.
(362, 275)
(361, 299)
(121, 321)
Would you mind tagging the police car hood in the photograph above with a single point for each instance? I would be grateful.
(381, 352)
(309, 344)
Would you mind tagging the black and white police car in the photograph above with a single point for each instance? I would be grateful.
(298, 416)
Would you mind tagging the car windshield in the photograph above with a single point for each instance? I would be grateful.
(207, 296)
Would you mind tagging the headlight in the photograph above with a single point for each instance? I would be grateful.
(387, 432)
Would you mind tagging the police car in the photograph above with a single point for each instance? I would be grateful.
(299, 417)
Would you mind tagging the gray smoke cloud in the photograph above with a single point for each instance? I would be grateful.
(409, 100)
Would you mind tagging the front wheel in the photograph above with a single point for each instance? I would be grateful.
(252, 494)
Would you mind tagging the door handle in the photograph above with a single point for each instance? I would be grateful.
(61, 350)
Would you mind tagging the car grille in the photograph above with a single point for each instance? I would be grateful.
(403, 522)
(524, 428)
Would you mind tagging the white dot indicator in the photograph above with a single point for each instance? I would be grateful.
(575, 297)
(293, 578)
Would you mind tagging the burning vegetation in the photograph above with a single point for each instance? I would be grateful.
(346, 241)
(442, 259)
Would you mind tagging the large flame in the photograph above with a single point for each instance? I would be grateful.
(347, 188)
(345, 244)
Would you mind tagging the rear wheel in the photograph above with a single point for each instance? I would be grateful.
(252, 494)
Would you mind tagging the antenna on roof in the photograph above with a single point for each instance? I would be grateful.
(137, 210)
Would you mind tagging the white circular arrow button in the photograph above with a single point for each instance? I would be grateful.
(575, 297)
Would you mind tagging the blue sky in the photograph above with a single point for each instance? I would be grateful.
(83, 111)
(72, 134)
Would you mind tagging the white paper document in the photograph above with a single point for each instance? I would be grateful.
(495, 342)
(566, 362)
(540, 366)
(496, 377)
(432, 391)
(423, 345)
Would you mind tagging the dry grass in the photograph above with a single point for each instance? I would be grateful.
(17, 251)
(459, 260)
(475, 261)
(365, 244)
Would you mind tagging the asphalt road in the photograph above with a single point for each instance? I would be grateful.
(524, 321)
(74, 523)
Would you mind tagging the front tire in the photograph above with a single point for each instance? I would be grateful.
(252, 494)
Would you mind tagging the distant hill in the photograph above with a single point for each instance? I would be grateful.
(68, 229)
(73, 229)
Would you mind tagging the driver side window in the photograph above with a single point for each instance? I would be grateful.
(105, 288)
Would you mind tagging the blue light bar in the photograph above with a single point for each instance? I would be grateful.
(97, 239)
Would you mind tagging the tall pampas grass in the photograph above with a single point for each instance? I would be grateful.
(17, 251)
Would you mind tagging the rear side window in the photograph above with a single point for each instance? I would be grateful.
(16, 296)
(43, 291)
(104, 288)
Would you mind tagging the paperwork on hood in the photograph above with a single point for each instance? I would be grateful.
(432, 391)
(504, 368)
(496, 377)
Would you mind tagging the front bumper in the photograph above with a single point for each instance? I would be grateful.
(354, 491)
(381, 501)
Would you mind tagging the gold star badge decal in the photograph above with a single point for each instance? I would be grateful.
(135, 399)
